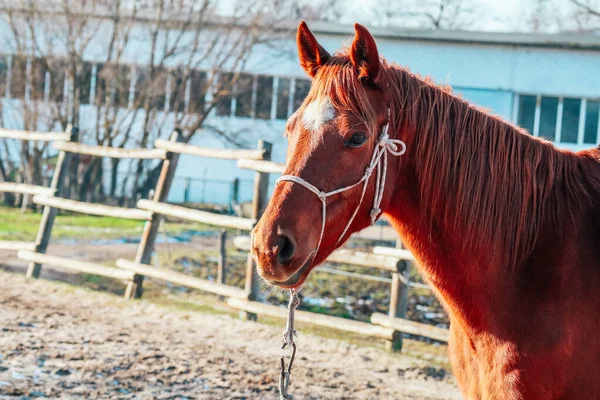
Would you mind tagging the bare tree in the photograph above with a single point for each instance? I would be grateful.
(431, 14)
(586, 14)
(192, 63)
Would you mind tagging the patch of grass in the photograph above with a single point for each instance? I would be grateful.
(15, 225)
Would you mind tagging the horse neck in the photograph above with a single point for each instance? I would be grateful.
(462, 278)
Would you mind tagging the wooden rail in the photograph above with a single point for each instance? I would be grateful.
(75, 265)
(182, 279)
(342, 256)
(15, 246)
(364, 259)
(93, 209)
(188, 214)
(411, 327)
(112, 152)
(23, 188)
(261, 166)
(361, 328)
(34, 136)
(402, 254)
(193, 150)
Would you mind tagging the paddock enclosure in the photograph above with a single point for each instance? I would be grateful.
(389, 328)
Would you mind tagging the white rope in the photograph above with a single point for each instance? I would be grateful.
(288, 340)
(384, 146)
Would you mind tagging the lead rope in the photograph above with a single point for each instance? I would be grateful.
(288, 340)
(384, 146)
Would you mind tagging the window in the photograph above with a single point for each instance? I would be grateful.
(3, 74)
(563, 119)
(58, 68)
(154, 88)
(527, 112)
(121, 85)
(139, 89)
(592, 118)
(17, 77)
(302, 89)
(283, 98)
(264, 96)
(243, 95)
(548, 117)
(177, 91)
(85, 83)
(223, 94)
(102, 77)
(197, 92)
(38, 79)
(570, 120)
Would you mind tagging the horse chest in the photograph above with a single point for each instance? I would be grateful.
(486, 370)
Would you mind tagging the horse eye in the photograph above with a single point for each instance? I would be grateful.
(357, 140)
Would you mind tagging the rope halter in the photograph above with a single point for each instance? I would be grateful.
(384, 145)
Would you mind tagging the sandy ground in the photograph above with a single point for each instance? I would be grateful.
(61, 341)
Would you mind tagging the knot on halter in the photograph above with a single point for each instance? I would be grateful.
(374, 213)
(384, 146)
(392, 145)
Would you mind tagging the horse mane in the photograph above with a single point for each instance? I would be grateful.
(491, 183)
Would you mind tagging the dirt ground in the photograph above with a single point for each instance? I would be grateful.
(61, 341)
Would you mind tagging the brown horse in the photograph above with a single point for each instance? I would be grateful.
(504, 226)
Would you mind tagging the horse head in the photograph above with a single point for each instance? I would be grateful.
(337, 161)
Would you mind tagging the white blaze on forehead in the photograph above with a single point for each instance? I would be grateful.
(317, 113)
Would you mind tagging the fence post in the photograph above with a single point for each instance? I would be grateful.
(398, 302)
(259, 202)
(58, 180)
(163, 185)
(222, 261)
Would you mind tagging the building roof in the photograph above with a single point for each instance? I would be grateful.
(574, 41)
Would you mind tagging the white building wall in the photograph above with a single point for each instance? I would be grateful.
(490, 76)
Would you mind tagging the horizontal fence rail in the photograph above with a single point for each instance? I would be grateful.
(111, 152)
(93, 209)
(23, 188)
(343, 256)
(361, 328)
(335, 271)
(34, 136)
(182, 279)
(76, 265)
(16, 245)
(227, 154)
(226, 221)
(393, 252)
(269, 167)
(411, 327)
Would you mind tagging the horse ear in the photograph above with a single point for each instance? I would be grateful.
(312, 55)
(364, 55)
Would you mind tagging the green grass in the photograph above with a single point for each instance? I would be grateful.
(17, 226)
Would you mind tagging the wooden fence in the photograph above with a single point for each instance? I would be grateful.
(132, 272)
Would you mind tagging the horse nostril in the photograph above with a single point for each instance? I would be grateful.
(287, 248)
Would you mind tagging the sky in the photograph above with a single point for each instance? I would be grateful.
(484, 15)
(489, 15)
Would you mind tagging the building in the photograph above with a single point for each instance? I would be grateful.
(548, 84)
